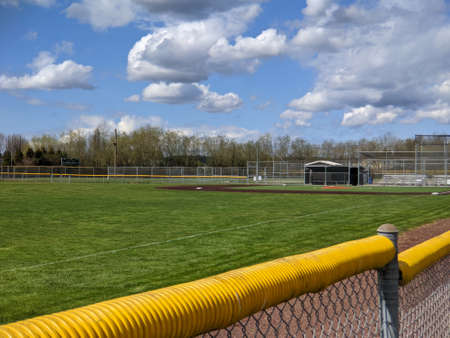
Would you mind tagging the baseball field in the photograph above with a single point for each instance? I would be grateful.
(67, 245)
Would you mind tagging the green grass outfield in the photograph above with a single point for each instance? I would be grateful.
(68, 245)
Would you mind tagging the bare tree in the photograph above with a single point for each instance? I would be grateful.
(2, 143)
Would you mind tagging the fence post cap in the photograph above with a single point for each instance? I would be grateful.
(387, 228)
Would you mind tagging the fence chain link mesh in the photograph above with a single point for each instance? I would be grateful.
(425, 303)
(344, 309)
(350, 308)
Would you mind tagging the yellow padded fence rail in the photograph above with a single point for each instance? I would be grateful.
(215, 302)
(416, 259)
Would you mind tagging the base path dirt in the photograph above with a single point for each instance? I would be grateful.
(422, 233)
(240, 188)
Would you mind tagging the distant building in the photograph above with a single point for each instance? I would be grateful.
(332, 173)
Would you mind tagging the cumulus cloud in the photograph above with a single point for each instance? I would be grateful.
(172, 93)
(176, 57)
(370, 115)
(42, 60)
(213, 102)
(191, 10)
(49, 75)
(190, 51)
(103, 14)
(180, 93)
(317, 7)
(300, 118)
(374, 61)
(86, 124)
(233, 132)
(246, 53)
(440, 111)
(126, 123)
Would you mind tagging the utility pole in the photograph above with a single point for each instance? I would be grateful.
(115, 150)
(257, 161)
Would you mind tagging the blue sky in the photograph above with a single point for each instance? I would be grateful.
(317, 69)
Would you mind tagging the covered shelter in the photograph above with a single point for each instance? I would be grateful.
(332, 173)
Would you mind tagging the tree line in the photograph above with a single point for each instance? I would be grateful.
(151, 146)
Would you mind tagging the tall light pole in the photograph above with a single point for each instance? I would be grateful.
(115, 150)
(257, 160)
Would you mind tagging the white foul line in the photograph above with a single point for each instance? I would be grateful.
(101, 253)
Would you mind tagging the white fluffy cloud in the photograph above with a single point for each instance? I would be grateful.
(213, 102)
(370, 115)
(128, 123)
(43, 60)
(48, 75)
(178, 56)
(233, 132)
(180, 93)
(300, 118)
(246, 53)
(375, 60)
(317, 7)
(191, 51)
(172, 93)
(439, 111)
(103, 14)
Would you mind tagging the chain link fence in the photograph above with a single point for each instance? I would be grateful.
(369, 303)
(123, 174)
(425, 303)
(348, 308)
(351, 308)
(382, 168)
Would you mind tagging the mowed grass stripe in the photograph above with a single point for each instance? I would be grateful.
(45, 223)
(144, 245)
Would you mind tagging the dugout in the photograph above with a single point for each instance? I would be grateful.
(332, 173)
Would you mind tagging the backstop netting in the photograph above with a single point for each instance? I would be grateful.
(427, 165)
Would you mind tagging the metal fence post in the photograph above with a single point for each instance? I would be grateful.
(388, 280)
